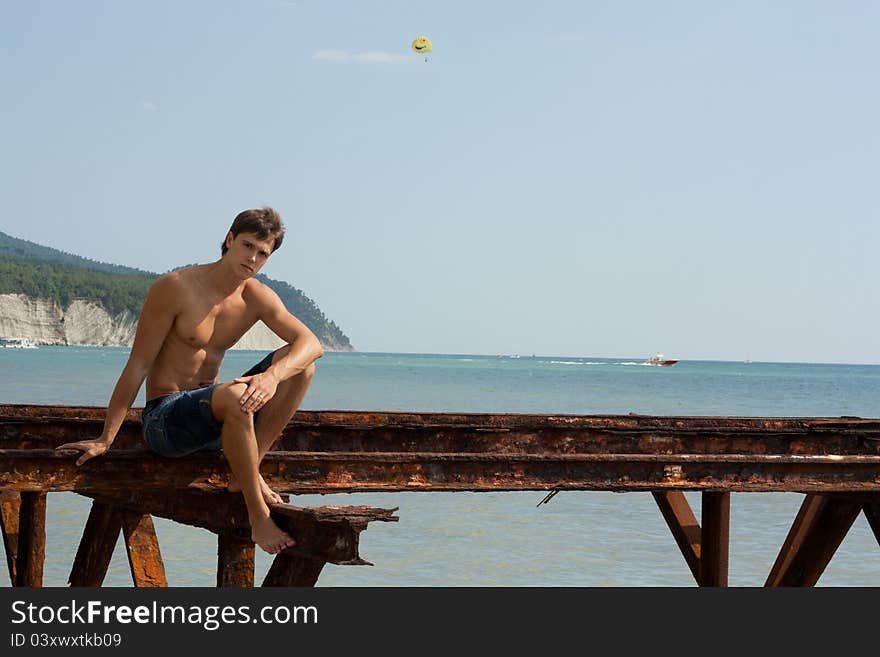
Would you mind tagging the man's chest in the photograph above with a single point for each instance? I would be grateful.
(203, 325)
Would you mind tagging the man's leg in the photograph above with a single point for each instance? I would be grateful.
(240, 449)
(275, 415)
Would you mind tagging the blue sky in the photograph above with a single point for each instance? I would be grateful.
(559, 178)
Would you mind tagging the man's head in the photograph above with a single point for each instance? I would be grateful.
(265, 223)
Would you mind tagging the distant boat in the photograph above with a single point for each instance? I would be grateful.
(660, 359)
(17, 343)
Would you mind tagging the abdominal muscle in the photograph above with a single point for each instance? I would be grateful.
(180, 366)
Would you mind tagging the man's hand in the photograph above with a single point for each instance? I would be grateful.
(260, 389)
(89, 448)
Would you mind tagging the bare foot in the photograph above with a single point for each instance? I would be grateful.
(269, 536)
(269, 495)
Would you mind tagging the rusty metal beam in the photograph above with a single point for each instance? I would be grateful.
(815, 535)
(142, 545)
(684, 526)
(715, 542)
(31, 539)
(293, 571)
(799, 530)
(40, 427)
(215, 509)
(235, 561)
(327, 533)
(10, 509)
(324, 451)
(330, 531)
(305, 472)
(96, 545)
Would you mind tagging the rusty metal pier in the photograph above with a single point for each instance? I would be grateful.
(835, 462)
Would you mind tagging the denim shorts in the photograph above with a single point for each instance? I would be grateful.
(182, 423)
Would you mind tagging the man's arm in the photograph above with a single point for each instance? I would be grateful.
(305, 348)
(157, 316)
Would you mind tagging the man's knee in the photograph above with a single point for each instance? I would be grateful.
(225, 402)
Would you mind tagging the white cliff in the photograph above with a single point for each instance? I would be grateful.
(88, 323)
(23, 317)
(259, 337)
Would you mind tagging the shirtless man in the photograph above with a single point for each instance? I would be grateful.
(189, 319)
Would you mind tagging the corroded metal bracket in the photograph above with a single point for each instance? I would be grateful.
(326, 534)
(99, 540)
(706, 548)
(23, 525)
(10, 508)
(818, 530)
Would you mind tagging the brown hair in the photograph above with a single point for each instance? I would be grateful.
(263, 222)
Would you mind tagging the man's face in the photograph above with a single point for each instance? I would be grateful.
(247, 252)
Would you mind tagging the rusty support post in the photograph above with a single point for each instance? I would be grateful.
(31, 539)
(293, 571)
(235, 561)
(96, 545)
(10, 509)
(715, 541)
(804, 519)
(684, 526)
(872, 513)
(818, 530)
(142, 545)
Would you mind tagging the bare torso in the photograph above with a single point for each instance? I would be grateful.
(206, 325)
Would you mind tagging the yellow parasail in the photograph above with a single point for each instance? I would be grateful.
(422, 45)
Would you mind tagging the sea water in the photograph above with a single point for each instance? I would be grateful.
(587, 538)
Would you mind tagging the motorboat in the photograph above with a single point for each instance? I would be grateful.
(660, 359)
(17, 343)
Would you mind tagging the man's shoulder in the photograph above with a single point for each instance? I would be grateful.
(253, 286)
(258, 292)
(172, 283)
(168, 280)
(182, 276)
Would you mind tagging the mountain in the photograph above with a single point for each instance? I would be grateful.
(15, 248)
(60, 278)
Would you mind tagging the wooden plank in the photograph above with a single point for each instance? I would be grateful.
(815, 535)
(293, 571)
(235, 561)
(96, 545)
(715, 538)
(31, 539)
(10, 509)
(684, 526)
(142, 545)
